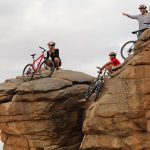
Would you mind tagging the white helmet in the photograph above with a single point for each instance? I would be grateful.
(142, 6)
(51, 43)
(112, 54)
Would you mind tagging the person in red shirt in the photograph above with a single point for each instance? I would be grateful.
(112, 63)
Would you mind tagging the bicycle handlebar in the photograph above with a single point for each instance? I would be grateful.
(42, 48)
(99, 68)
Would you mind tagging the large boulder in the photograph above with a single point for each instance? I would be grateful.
(43, 114)
(120, 119)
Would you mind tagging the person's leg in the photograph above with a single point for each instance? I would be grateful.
(57, 62)
(109, 68)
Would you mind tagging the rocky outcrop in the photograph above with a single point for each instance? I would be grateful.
(47, 113)
(43, 114)
(120, 119)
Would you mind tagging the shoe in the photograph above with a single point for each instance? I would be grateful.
(57, 68)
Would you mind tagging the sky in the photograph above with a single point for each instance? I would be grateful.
(85, 31)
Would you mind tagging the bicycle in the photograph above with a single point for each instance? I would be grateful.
(128, 47)
(97, 85)
(40, 65)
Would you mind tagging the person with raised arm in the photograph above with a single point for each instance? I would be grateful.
(143, 18)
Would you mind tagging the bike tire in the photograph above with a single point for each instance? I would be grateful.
(127, 49)
(28, 72)
(98, 90)
(46, 68)
(90, 89)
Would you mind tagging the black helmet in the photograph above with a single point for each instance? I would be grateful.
(112, 54)
(51, 43)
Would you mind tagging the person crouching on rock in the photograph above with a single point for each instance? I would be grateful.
(112, 63)
(54, 54)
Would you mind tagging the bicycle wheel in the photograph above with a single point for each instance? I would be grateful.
(91, 89)
(28, 72)
(98, 90)
(127, 49)
(46, 68)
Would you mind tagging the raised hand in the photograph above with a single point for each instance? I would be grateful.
(124, 14)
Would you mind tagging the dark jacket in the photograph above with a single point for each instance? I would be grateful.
(53, 55)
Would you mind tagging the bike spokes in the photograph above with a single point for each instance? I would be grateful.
(127, 49)
(46, 68)
(28, 72)
(98, 91)
(95, 88)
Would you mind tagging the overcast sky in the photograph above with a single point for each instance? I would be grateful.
(85, 31)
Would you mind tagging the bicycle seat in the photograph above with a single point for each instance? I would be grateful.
(147, 23)
(135, 32)
(32, 55)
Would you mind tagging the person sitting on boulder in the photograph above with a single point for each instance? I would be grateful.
(54, 54)
(112, 63)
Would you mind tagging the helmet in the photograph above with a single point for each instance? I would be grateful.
(112, 54)
(142, 6)
(51, 43)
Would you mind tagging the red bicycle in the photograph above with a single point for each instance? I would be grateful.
(41, 66)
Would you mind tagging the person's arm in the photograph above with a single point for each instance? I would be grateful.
(130, 16)
(47, 55)
(108, 63)
(57, 53)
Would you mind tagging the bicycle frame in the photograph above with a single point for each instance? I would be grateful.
(102, 75)
(40, 58)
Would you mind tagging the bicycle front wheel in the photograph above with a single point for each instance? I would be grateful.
(90, 89)
(28, 72)
(98, 90)
(46, 68)
(127, 49)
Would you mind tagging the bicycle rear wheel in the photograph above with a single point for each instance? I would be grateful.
(127, 49)
(90, 89)
(28, 72)
(46, 68)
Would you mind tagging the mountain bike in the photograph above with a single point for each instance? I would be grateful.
(97, 85)
(40, 65)
(128, 47)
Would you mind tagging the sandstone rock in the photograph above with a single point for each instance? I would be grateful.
(43, 85)
(75, 77)
(52, 95)
(103, 141)
(120, 118)
(44, 113)
(9, 86)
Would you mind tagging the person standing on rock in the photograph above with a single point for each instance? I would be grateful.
(112, 63)
(54, 54)
(143, 18)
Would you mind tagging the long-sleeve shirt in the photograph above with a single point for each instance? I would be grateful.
(141, 19)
